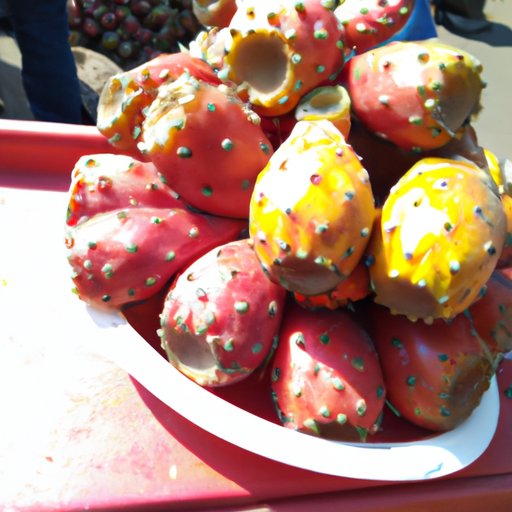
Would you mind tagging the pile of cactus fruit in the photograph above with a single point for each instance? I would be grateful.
(295, 197)
(130, 32)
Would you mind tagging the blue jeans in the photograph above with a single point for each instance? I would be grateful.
(48, 71)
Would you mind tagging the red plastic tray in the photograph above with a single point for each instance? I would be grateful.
(78, 432)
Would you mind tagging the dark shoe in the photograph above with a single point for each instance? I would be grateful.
(460, 24)
(2, 106)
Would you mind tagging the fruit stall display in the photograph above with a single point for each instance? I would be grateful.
(300, 199)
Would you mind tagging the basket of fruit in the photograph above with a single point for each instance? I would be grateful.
(303, 238)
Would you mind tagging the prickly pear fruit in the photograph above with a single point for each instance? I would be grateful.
(501, 172)
(221, 316)
(208, 145)
(386, 163)
(311, 210)
(491, 315)
(440, 234)
(369, 23)
(128, 255)
(415, 94)
(126, 95)
(214, 13)
(326, 372)
(355, 287)
(104, 182)
(280, 50)
(435, 375)
(330, 102)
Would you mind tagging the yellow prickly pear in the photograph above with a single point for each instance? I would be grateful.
(440, 234)
(312, 210)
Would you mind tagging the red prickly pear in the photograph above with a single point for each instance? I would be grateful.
(417, 95)
(312, 210)
(326, 373)
(207, 144)
(491, 315)
(104, 182)
(280, 50)
(128, 255)
(369, 23)
(355, 287)
(126, 96)
(438, 240)
(435, 375)
(214, 13)
(222, 315)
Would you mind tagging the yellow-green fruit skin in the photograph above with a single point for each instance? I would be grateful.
(312, 210)
(441, 231)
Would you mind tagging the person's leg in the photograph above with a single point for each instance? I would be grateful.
(48, 68)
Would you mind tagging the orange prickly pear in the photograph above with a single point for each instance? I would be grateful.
(441, 231)
(126, 95)
(207, 144)
(501, 172)
(280, 50)
(312, 210)
(355, 287)
(417, 95)
(369, 23)
(221, 317)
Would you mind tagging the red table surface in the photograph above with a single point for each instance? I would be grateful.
(109, 443)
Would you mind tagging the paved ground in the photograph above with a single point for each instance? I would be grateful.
(493, 48)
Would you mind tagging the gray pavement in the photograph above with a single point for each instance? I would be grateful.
(493, 48)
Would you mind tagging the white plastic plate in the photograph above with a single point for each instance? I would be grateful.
(434, 457)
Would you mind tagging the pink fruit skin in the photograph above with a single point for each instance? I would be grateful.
(222, 315)
(369, 23)
(122, 103)
(128, 255)
(325, 372)
(104, 182)
(311, 50)
(208, 144)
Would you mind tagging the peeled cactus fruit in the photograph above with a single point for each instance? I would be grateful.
(128, 255)
(441, 231)
(221, 317)
(207, 144)
(104, 182)
(326, 373)
(280, 50)
(312, 210)
(368, 23)
(417, 95)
